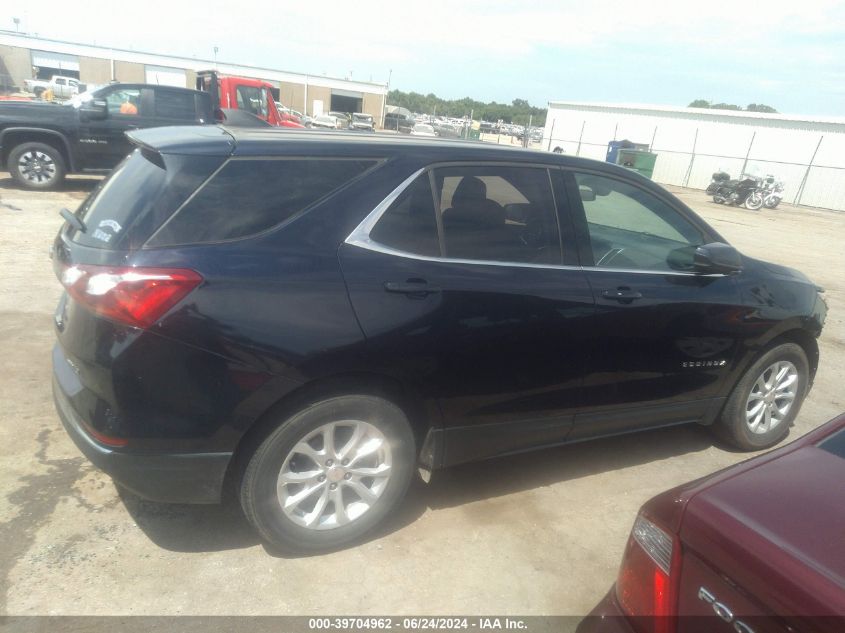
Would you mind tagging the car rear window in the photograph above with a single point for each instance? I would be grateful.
(248, 196)
(139, 195)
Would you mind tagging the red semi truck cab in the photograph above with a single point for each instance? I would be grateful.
(242, 93)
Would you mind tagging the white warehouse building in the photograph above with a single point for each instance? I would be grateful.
(806, 153)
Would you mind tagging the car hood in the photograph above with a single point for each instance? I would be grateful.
(776, 270)
(777, 530)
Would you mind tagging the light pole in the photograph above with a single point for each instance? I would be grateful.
(215, 57)
(384, 100)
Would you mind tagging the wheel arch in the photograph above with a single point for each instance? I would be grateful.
(14, 136)
(419, 414)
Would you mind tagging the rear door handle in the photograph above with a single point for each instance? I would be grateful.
(622, 295)
(414, 288)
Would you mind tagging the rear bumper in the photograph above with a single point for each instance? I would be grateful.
(606, 617)
(168, 478)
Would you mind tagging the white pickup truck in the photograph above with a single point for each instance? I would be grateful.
(62, 87)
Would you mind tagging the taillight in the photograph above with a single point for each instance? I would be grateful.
(648, 578)
(135, 296)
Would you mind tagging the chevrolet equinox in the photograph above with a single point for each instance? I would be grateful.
(313, 318)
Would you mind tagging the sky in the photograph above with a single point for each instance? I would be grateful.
(787, 54)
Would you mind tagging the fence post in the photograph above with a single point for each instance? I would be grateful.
(800, 191)
(747, 154)
(691, 159)
(578, 151)
(551, 135)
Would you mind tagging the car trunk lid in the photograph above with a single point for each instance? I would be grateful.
(773, 544)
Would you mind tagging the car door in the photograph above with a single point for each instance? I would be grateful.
(665, 336)
(466, 288)
(103, 142)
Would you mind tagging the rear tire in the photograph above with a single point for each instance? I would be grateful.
(37, 166)
(355, 454)
(766, 400)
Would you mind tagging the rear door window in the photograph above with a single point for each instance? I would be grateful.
(248, 196)
(497, 213)
(141, 193)
(173, 104)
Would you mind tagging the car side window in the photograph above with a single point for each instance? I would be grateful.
(124, 101)
(633, 229)
(170, 104)
(251, 99)
(246, 197)
(499, 214)
(410, 223)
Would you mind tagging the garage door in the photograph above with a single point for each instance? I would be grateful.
(59, 61)
(164, 76)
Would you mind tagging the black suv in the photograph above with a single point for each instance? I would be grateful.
(41, 142)
(313, 318)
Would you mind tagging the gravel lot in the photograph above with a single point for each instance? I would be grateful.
(534, 534)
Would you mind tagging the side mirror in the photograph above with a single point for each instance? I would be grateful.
(95, 109)
(717, 258)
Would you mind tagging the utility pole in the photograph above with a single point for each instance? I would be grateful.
(384, 100)
(215, 57)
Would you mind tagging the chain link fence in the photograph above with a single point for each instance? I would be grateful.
(807, 183)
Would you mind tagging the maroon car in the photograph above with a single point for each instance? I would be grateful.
(755, 548)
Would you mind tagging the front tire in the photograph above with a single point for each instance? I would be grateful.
(37, 166)
(754, 201)
(766, 400)
(329, 474)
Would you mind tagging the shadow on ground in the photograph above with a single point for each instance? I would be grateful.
(187, 528)
(71, 184)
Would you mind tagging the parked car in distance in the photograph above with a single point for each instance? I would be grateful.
(385, 306)
(423, 129)
(327, 121)
(398, 122)
(446, 130)
(757, 547)
(361, 121)
(42, 142)
(344, 119)
(61, 87)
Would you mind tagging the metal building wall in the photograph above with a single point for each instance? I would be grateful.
(808, 156)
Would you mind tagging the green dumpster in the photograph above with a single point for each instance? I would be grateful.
(637, 160)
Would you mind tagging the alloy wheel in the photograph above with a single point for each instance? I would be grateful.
(37, 167)
(334, 475)
(771, 397)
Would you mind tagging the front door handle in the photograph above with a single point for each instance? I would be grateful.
(412, 287)
(622, 295)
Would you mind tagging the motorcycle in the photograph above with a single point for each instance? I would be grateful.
(772, 192)
(747, 192)
(717, 180)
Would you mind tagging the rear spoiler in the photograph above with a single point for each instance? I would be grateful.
(189, 139)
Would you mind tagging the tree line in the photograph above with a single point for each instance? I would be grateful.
(751, 107)
(517, 112)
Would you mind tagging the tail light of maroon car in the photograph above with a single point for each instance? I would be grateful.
(649, 576)
(136, 296)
